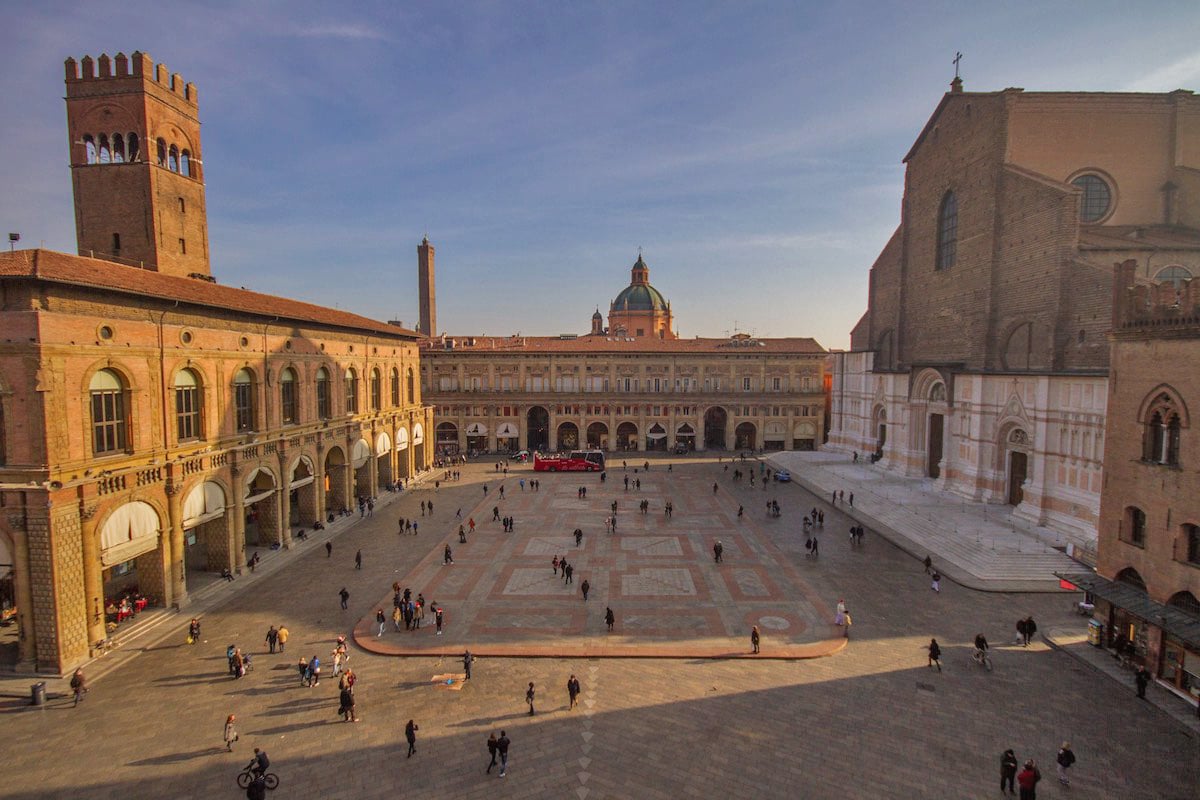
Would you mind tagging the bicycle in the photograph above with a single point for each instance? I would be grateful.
(981, 658)
(246, 775)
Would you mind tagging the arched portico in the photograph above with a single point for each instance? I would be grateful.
(383, 460)
(716, 419)
(335, 480)
(568, 436)
(360, 462)
(627, 436)
(597, 436)
(207, 527)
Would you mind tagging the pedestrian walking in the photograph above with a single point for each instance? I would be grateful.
(437, 619)
(1030, 629)
(840, 617)
(193, 631)
(935, 582)
(852, 499)
(554, 564)
(585, 586)
(314, 671)
(346, 698)
(231, 734)
(1027, 780)
(718, 550)
(380, 620)
(754, 639)
(447, 556)
(1064, 760)
(928, 565)
(410, 733)
(573, 691)
(302, 666)
(935, 654)
(578, 537)
(79, 685)
(345, 598)
(570, 573)
(328, 549)
(1142, 678)
(502, 745)
(529, 695)
(468, 660)
(397, 617)
(282, 636)
(815, 546)
(492, 750)
(610, 618)
(358, 560)
(1008, 770)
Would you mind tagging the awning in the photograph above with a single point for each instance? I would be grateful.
(476, 429)
(254, 498)
(805, 430)
(775, 430)
(1175, 622)
(507, 430)
(129, 532)
(685, 430)
(418, 434)
(362, 451)
(383, 444)
(204, 503)
(402, 439)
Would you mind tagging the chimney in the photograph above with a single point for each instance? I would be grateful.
(425, 290)
(956, 85)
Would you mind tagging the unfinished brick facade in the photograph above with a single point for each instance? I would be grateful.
(982, 361)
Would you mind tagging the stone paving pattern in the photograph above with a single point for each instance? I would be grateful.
(870, 721)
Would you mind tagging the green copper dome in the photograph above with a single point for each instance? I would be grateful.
(639, 295)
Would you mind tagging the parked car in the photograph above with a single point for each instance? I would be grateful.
(682, 449)
(521, 456)
(782, 475)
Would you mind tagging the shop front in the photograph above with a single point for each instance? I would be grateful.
(477, 438)
(508, 437)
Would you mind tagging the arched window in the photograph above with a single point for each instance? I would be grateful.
(118, 148)
(323, 404)
(288, 406)
(162, 152)
(395, 387)
(89, 149)
(376, 390)
(105, 151)
(187, 405)
(133, 147)
(1096, 200)
(109, 423)
(1175, 276)
(947, 232)
(1130, 577)
(173, 159)
(1160, 438)
(185, 163)
(1186, 602)
(243, 400)
(1135, 526)
(411, 394)
(351, 391)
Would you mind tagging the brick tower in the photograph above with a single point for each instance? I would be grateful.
(425, 288)
(136, 166)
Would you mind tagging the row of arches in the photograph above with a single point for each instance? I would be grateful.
(125, 148)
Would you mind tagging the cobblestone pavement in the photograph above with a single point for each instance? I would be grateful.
(870, 721)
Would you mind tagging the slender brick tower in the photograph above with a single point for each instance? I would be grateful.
(136, 168)
(426, 291)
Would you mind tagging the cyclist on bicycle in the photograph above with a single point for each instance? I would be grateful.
(259, 764)
(981, 647)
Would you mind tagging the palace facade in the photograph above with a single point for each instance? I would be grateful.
(982, 360)
(153, 423)
(631, 386)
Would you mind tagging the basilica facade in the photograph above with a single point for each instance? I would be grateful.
(981, 363)
(633, 385)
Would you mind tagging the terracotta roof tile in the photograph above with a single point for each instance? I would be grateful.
(48, 265)
(619, 344)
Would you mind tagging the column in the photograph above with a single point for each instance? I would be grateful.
(27, 640)
(285, 501)
(319, 482)
(93, 576)
(177, 580)
(237, 544)
(373, 466)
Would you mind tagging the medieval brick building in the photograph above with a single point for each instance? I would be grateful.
(981, 362)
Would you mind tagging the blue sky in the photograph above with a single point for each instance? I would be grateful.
(752, 150)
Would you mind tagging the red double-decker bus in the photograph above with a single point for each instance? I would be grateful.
(575, 461)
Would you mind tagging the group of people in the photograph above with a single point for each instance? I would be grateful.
(1028, 777)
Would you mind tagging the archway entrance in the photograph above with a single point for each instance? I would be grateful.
(537, 430)
(477, 439)
(402, 454)
(418, 447)
(362, 469)
(446, 434)
(933, 464)
(715, 420)
(131, 553)
(568, 436)
(745, 436)
(656, 437)
(507, 438)
(597, 436)
(335, 481)
(627, 435)
(302, 489)
(880, 418)
(206, 529)
(685, 438)
(383, 460)
(1018, 467)
(262, 509)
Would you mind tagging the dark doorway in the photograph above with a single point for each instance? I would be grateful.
(537, 437)
(1018, 470)
(714, 428)
(881, 441)
(933, 468)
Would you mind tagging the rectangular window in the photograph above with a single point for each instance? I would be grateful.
(187, 413)
(352, 395)
(182, 206)
(243, 402)
(287, 402)
(182, 247)
(745, 384)
(777, 384)
(323, 399)
(116, 245)
(108, 421)
(1192, 535)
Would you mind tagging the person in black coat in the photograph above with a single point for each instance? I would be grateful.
(1008, 770)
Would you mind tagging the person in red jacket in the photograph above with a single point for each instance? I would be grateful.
(1028, 779)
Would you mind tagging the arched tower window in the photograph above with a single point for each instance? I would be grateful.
(288, 399)
(118, 149)
(1160, 438)
(324, 410)
(1175, 276)
(132, 141)
(376, 390)
(105, 150)
(243, 400)
(109, 422)
(185, 163)
(162, 152)
(89, 149)
(395, 387)
(173, 159)
(351, 391)
(947, 232)
(411, 393)
(187, 405)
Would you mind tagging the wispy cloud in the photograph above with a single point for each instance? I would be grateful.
(336, 30)
(1178, 74)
